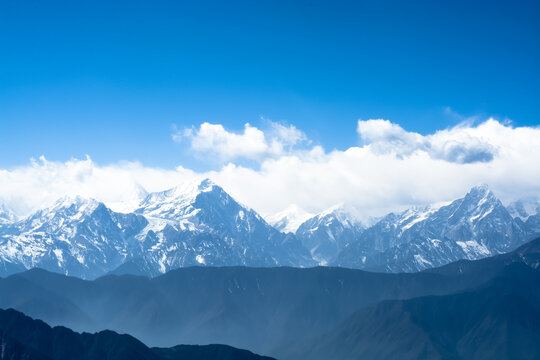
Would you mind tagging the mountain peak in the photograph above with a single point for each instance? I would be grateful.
(480, 194)
(189, 189)
(135, 194)
(185, 192)
(289, 219)
(345, 214)
(140, 190)
(180, 202)
(6, 215)
(206, 185)
(77, 202)
(479, 190)
(524, 208)
(71, 208)
(335, 209)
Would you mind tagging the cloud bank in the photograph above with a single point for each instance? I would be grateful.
(388, 170)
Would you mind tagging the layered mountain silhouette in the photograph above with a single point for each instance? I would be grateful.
(260, 309)
(498, 320)
(22, 337)
(199, 224)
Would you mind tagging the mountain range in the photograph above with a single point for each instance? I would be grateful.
(199, 224)
(322, 312)
(497, 320)
(193, 224)
(473, 227)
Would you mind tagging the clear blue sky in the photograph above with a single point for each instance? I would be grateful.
(111, 78)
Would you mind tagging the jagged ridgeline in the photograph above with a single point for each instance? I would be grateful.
(198, 223)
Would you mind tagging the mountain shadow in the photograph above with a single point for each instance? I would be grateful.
(25, 338)
(499, 320)
(260, 309)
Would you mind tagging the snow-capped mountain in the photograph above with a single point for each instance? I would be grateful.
(6, 215)
(198, 223)
(192, 224)
(388, 231)
(472, 227)
(328, 233)
(75, 236)
(131, 201)
(528, 211)
(289, 219)
(524, 208)
(176, 204)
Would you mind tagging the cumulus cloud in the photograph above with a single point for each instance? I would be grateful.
(391, 169)
(252, 143)
(379, 180)
(461, 144)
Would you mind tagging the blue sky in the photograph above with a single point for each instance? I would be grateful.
(112, 79)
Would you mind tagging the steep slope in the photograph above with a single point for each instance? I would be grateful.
(260, 309)
(532, 224)
(381, 236)
(200, 224)
(193, 224)
(25, 338)
(528, 254)
(328, 233)
(473, 227)
(388, 231)
(12, 349)
(499, 320)
(75, 236)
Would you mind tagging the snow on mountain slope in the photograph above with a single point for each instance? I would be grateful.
(388, 231)
(174, 204)
(75, 236)
(328, 233)
(130, 202)
(195, 223)
(472, 227)
(200, 224)
(6, 215)
(524, 208)
(289, 219)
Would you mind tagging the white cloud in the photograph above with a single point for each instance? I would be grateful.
(395, 169)
(461, 144)
(287, 136)
(390, 170)
(26, 188)
(253, 144)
